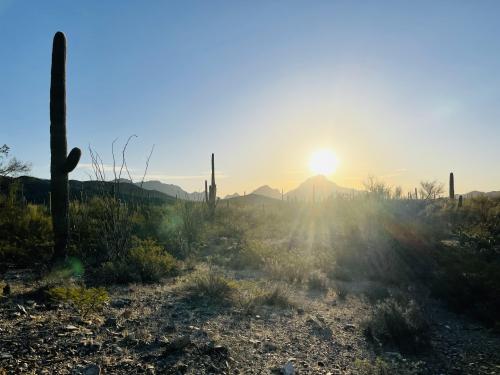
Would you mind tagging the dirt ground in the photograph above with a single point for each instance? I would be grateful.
(155, 329)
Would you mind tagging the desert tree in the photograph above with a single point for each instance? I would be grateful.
(431, 189)
(11, 166)
(377, 188)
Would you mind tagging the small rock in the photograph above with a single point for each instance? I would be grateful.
(288, 369)
(177, 344)
(121, 303)
(269, 347)
(92, 369)
(70, 327)
(349, 327)
(111, 322)
(6, 290)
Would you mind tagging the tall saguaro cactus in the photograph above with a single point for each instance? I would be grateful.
(211, 198)
(452, 186)
(60, 162)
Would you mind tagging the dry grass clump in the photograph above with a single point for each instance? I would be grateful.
(340, 290)
(277, 296)
(317, 282)
(212, 286)
(402, 326)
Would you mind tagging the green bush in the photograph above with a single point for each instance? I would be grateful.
(145, 262)
(25, 232)
(85, 300)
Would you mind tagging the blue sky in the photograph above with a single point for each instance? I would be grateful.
(398, 89)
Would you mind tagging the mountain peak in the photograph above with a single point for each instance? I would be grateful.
(267, 191)
(317, 187)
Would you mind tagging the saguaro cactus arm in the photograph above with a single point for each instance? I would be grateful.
(72, 160)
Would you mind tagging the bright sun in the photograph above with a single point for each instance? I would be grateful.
(323, 162)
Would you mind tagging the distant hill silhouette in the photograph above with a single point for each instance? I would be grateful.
(267, 191)
(172, 190)
(323, 188)
(229, 196)
(36, 190)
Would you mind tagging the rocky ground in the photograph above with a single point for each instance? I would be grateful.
(155, 329)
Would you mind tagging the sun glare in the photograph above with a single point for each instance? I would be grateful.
(323, 162)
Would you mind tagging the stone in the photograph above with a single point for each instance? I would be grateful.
(6, 290)
(121, 303)
(349, 327)
(91, 369)
(177, 344)
(269, 347)
(288, 369)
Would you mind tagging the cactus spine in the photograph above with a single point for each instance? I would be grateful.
(60, 162)
(212, 192)
(452, 187)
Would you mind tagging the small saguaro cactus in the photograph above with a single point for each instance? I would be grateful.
(211, 198)
(416, 193)
(452, 186)
(460, 201)
(60, 162)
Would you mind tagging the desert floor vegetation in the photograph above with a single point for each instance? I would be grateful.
(362, 285)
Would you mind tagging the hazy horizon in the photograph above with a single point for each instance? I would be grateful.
(405, 92)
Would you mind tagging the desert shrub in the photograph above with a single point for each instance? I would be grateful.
(101, 229)
(340, 290)
(25, 232)
(276, 296)
(376, 293)
(211, 286)
(403, 327)
(146, 262)
(192, 221)
(289, 267)
(339, 273)
(85, 300)
(317, 282)
(246, 255)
